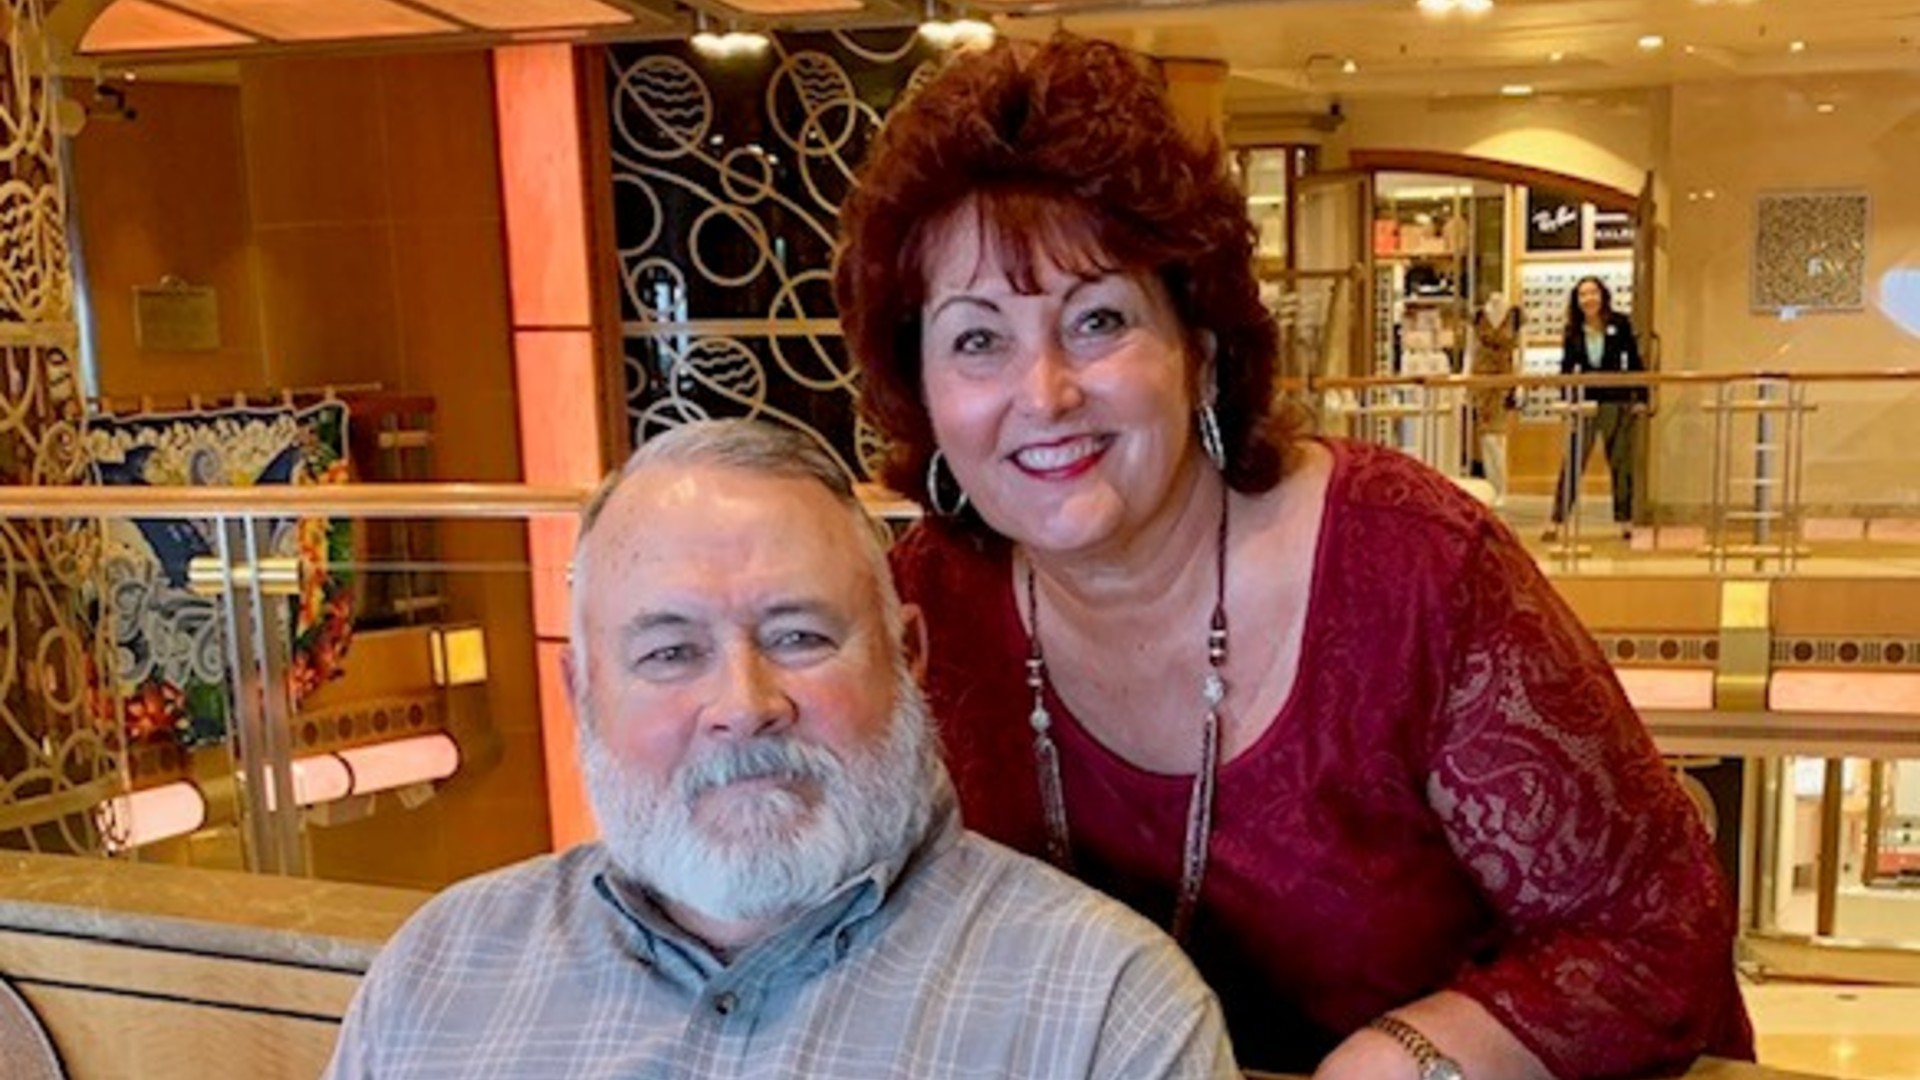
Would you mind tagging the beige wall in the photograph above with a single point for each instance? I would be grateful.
(1738, 140)
(1735, 138)
(1612, 139)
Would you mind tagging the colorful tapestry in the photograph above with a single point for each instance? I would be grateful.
(170, 645)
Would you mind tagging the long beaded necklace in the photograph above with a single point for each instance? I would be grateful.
(1213, 690)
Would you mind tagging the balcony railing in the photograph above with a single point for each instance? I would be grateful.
(452, 679)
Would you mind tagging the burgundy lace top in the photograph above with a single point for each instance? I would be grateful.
(1457, 794)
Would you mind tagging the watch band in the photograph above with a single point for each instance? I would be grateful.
(1433, 1064)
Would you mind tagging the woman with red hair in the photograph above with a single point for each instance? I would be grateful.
(1300, 700)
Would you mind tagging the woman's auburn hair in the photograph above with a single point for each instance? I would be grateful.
(1069, 152)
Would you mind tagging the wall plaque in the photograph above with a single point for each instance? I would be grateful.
(174, 316)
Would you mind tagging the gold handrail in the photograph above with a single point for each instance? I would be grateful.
(275, 500)
(445, 500)
(1638, 378)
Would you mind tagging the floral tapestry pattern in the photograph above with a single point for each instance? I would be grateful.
(170, 646)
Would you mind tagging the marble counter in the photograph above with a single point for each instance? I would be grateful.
(316, 924)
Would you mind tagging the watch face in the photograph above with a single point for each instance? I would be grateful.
(1442, 1069)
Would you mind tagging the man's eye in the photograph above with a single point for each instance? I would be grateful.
(667, 656)
(800, 641)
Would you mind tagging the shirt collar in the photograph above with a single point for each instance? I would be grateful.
(839, 920)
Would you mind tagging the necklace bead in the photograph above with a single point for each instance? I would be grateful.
(1213, 690)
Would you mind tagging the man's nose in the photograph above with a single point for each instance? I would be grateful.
(749, 699)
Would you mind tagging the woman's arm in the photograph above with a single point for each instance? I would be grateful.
(1630, 357)
(1460, 1027)
(1618, 948)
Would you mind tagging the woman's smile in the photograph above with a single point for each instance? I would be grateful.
(1061, 459)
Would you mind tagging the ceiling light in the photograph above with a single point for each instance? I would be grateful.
(1556, 57)
(1448, 7)
(730, 44)
(1348, 66)
(1651, 42)
(955, 32)
(1798, 46)
(1517, 90)
(1824, 107)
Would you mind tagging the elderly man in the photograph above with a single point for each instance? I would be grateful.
(784, 888)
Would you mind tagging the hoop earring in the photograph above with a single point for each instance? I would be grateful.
(1211, 443)
(958, 505)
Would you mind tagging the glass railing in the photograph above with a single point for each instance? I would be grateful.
(373, 651)
(387, 654)
(1732, 473)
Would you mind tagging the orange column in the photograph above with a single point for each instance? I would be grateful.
(543, 189)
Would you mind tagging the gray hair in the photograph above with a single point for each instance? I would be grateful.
(749, 446)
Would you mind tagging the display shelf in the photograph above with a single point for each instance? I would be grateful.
(1546, 284)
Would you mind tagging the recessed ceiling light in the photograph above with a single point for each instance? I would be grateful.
(1348, 66)
(1517, 90)
(1555, 57)
(1651, 42)
(1688, 49)
(1824, 107)
(1448, 7)
(1798, 46)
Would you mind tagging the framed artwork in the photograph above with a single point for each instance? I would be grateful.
(1810, 251)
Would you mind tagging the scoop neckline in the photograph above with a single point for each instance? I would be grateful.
(1069, 724)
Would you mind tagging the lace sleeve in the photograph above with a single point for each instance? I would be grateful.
(1618, 954)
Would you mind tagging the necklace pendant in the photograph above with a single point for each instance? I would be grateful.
(1039, 719)
(1214, 689)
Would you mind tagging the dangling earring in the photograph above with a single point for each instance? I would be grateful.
(1214, 446)
(933, 488)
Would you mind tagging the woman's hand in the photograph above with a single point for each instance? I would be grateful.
(1368, 1055)
(1459, 1026)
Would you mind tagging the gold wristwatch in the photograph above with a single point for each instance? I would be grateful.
(1433, 1064)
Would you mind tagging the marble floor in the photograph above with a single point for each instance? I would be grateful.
(1855, 1032)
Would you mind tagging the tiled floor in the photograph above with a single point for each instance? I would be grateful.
(1857, 1032)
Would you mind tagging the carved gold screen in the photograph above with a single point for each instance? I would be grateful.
(60, 748)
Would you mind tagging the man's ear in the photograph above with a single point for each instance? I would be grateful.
(913, 640)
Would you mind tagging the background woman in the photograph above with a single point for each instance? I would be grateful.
(1301, 701)
(1599, 340)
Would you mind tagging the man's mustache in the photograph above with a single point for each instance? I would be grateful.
(769, 758)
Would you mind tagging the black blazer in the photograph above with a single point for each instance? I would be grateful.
(1621, 354)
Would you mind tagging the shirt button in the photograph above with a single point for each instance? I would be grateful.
(724, 1003)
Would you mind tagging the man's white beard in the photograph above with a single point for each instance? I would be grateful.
(784, 849)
